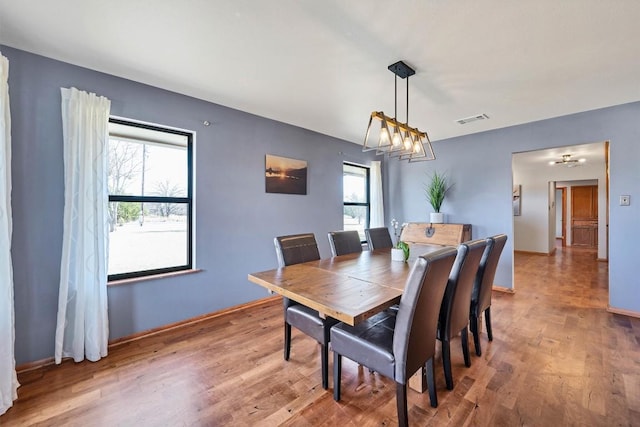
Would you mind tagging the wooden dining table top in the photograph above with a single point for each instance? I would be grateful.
(349, 288)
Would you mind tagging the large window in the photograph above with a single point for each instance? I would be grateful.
(355, 187)
(150, 199)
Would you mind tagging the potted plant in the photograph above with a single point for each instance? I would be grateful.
(400, 252)
(436, 190)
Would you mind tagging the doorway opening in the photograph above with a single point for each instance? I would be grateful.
(546, 180)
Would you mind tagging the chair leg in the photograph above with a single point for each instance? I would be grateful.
(487, 319)
(337, 372)
(325, 366)
(431, 383)
(464, 337)
(446, 363)
(473, 324)
(287, 340)
(401, 402)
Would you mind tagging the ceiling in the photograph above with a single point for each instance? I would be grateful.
(594, 155)
(322, 65)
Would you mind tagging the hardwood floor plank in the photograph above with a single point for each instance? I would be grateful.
(558, 358)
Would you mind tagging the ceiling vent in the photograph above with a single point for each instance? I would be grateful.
(472, 119)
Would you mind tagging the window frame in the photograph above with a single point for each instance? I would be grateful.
(366, 204)
(188, 200)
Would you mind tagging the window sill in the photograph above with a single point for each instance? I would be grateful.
(153, 277)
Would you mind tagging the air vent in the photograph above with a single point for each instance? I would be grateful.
(472, 119)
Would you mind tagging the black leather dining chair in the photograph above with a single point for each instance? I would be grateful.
(344, 242)
(397, 345)
(378, 238)
(295, 249)
(482, 286)
(454, 311)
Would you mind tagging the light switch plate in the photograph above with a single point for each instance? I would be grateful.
(625, 200)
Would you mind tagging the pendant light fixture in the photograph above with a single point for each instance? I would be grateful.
(388, 136)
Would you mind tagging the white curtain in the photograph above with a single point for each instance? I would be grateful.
(8, 380)
(82, 329)
(377, 205)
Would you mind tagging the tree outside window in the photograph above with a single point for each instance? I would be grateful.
(149, 199)
(356, 208)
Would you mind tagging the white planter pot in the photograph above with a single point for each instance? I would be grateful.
(437, 217)
(397, 254)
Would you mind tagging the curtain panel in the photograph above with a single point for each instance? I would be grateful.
(82, 329)
(8, 379)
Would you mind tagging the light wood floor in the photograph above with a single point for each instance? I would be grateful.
(558, 358)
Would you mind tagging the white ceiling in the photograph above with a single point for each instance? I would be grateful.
(322, 65)
(594, 155)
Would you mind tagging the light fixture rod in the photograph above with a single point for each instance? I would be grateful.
(402, 70)
(407, 100)
(395, 91)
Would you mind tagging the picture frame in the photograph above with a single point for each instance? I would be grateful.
(517, 202)
(285, 175)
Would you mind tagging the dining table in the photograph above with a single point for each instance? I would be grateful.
(349, 288)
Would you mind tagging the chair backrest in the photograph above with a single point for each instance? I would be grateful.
(483, 284)
(454, 313)
(296, 248)
(417, 320)
(378, 238)
(344, 242)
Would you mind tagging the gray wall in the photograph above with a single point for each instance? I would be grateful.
(480, 167)
(235, 219)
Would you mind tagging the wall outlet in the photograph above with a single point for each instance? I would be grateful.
(625, 200)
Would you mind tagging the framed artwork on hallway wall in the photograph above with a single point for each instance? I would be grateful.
(285, 175)
(516, 200)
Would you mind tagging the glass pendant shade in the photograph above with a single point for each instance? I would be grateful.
(408, 141)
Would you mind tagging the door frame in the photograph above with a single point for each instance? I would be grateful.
(607, 177)
(564, 214)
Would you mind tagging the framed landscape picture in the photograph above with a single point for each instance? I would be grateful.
(284, 175)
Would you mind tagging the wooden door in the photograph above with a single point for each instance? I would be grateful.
(584, 216)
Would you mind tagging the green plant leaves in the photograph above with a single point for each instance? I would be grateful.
(405, 249)
(436, 190)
